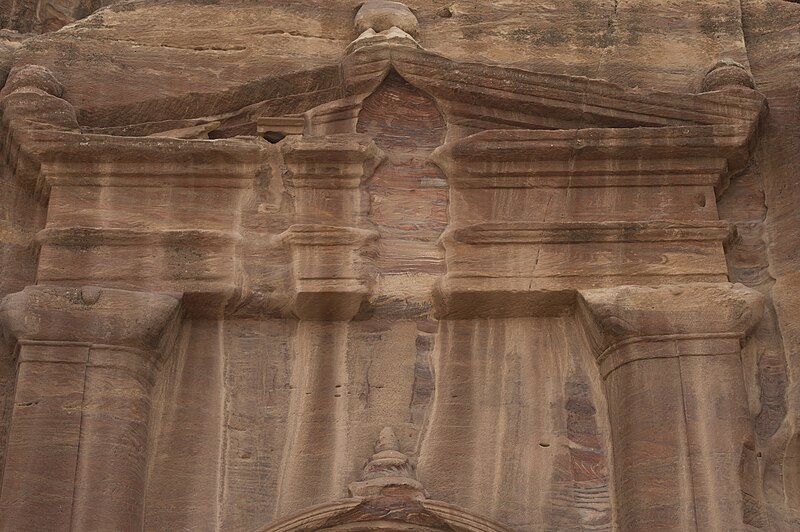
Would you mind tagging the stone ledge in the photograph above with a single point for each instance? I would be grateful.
(663, 156)
(471, 298)
(335, 161)
(330, 274)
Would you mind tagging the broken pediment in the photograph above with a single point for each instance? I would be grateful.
(551, 138)
(476, 97)
(472, 96)
(530, 275)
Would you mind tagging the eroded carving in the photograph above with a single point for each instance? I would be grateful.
(389, 472)
(388, 496)
(727, 74)
(382, 21)
(572, 211)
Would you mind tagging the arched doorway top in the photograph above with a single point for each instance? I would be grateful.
(388, 497)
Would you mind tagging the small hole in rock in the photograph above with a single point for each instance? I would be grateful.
(274, 137)
(445, 12)
(543, 444)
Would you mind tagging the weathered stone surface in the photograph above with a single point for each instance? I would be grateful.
(545, 253)
(42, 16)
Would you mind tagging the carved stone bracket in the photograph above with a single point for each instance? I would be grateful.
(332, 162)
(330, 263)
(331, 279)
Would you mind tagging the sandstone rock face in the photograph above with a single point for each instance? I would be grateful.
(434, 266)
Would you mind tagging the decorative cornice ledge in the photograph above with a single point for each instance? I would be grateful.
(575, 232)
(655, 156)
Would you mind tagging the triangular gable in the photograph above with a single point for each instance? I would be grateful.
(476, 97)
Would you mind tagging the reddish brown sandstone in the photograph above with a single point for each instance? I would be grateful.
(543, 253)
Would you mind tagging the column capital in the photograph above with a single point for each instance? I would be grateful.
(695, 318)
(88, 314)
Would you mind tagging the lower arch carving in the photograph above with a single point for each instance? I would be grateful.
(388, 497)
(386, 514)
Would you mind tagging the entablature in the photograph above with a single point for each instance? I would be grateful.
(612, 167)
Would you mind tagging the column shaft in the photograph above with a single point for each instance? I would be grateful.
(39, 474)
(670, 358)
(679, 423)
(110, 477)
(77, 453)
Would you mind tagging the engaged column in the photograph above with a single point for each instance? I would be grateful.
(76, 455)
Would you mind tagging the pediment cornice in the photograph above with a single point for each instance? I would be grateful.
(473, 97)
(484, 96)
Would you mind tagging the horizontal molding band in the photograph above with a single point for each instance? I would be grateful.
(584, 232)
(326, 235)
(667, 346)
(585, 181)
(288, 125)
(151, 180)
(597, 144)
(100, 236)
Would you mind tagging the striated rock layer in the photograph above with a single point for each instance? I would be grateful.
(440, 265)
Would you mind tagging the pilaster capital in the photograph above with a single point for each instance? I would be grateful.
(688, 312)
(89, 315)
(333, 161)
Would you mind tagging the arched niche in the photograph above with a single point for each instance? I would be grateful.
(408, 193)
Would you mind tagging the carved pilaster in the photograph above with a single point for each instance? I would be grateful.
(330, 261)
(327, 174)
(670, 361)
(76, 455)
